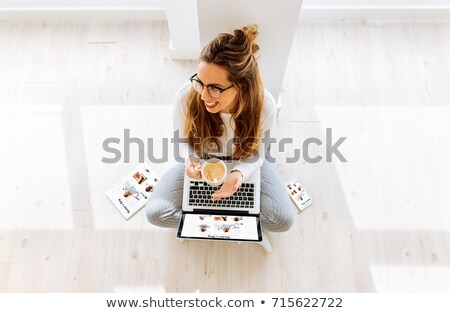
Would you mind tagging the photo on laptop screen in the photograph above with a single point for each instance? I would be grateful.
(220, 227)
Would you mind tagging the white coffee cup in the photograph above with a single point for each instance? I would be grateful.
(207, 171)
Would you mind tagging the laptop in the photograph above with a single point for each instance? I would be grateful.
(235, 218)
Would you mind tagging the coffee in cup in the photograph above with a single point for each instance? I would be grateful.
(214, 171)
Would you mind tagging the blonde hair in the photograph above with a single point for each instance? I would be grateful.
(237, 54)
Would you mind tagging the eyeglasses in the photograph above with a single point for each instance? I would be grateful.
(213, 90)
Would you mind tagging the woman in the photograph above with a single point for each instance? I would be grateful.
(224, 109)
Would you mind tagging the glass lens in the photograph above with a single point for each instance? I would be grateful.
(197, 86)
(214, 92)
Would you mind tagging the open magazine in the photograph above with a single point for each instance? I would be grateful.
(131, 193)
(298, 194)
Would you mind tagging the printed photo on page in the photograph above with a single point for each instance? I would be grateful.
(131, 193)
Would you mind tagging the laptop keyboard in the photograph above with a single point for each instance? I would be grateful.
(200, 195)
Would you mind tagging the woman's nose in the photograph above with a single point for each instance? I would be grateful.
(205, 95)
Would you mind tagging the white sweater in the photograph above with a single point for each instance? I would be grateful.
(245, 166)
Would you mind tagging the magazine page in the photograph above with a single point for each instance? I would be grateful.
(298, 194)
(131, 193)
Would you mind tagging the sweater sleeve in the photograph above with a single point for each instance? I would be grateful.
(182, 150)
(268, 121)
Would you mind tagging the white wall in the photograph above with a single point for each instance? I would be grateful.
(375, 9)
(82, 9)
(342, 3)
(162, 3)
(182, 19)
(80, 3)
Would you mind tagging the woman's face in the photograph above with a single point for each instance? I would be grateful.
(212, 74)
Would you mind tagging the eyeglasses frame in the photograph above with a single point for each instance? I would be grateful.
(192, 78)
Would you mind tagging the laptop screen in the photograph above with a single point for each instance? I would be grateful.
(220, 227)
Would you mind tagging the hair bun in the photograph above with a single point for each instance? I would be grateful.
(251, 32)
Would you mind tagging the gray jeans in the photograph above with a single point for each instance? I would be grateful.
(277, 211)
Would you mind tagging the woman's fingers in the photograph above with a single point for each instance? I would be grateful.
(192, 172)
(193, 167)
(222, 194)
(219, 195)
(229, 187)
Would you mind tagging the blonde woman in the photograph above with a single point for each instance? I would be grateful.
(223, 111)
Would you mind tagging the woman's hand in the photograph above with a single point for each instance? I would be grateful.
(231, 184)
(193, 168)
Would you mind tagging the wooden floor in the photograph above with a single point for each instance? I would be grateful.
(380, 221)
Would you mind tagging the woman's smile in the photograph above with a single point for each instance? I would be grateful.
(212, 104)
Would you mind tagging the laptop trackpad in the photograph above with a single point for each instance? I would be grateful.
(220, 226)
